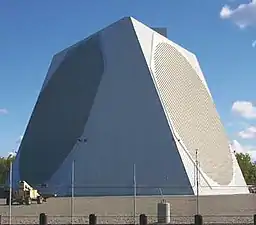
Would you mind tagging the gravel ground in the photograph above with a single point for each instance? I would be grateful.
(119, 210)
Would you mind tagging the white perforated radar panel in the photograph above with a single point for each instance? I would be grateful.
(192, 112)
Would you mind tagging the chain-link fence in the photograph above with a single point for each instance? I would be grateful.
(118, 204)
(120, 209)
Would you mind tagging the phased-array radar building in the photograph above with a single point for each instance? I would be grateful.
(127, 96)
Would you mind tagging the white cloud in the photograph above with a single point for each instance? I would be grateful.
(254, 44)
(237, 147)
(245, 109)
(243, 16)
(3, 111)
(249, 133)
(251, 150)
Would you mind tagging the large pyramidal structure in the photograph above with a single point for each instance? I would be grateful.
(127, 96)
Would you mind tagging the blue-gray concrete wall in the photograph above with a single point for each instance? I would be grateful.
(61, 112)
(103, 92)
(127, 126)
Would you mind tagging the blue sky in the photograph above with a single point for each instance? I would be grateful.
(220, 32)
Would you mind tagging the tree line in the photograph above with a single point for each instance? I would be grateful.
(244, 160)
(5, 167)
(248, 167)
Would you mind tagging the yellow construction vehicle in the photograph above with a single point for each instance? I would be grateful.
(25, 195)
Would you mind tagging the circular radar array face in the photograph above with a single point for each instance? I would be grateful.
(192, 113)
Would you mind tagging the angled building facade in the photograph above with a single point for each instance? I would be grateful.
(127, 96)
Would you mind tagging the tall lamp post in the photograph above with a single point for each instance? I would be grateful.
(10, 194)
(79, 140)
(197, 183)
(134, 192)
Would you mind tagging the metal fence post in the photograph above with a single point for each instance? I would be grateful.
(143, 219)
(254, 219)
(0, 219)
(43, 219)
(198, 220)
(92, 219)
